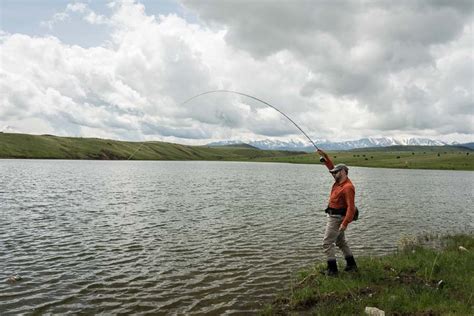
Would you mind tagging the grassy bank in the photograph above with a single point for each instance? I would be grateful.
(420, 279)
(54, 147)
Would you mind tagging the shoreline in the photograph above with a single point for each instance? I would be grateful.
(236, 160)
(428, 275)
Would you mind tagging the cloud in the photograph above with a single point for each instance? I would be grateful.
(56, 18)
(369, 52)
(79, 9)
(340, 70)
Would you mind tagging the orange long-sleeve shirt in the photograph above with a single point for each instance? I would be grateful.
(342, 195)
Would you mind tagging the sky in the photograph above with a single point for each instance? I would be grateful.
(342, 70)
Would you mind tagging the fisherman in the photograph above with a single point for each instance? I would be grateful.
(341, 211)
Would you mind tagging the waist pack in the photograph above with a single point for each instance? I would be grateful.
(342, 212)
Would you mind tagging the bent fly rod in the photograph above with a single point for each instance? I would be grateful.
(248, 96)
(257, 99)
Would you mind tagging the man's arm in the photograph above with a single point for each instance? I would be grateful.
(328, 162)
(349, 196)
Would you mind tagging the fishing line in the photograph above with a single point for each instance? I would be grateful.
(135, 151)
(245, 95)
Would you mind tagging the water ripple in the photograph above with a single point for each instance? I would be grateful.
(174, 238)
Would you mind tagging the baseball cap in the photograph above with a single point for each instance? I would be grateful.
(338, 167)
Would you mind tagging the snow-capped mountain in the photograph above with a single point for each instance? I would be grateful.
(297, 145)
(292, 145)
(381, 142)
(268, 144)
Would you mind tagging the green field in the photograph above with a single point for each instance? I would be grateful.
(417, 157)
(429, 275)
(53, 147)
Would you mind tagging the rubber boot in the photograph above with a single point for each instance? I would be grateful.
(351, 264)
(332, 268)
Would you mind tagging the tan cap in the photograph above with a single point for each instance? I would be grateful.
(338, 167)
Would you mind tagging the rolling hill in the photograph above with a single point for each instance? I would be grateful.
(54, 147)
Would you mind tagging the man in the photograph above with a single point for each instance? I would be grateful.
(341, 211)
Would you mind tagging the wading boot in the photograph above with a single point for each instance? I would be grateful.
(351, 264)
(332, 268)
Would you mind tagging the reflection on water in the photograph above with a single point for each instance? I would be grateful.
(193, 237)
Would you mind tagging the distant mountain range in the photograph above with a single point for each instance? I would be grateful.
(293, 145)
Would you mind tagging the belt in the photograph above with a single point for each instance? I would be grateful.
(341, 212)
(336, 211)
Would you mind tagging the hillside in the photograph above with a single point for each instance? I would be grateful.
(237, 145)
(468, 145)
(54, 147)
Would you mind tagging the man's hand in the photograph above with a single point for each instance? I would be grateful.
(342, 228)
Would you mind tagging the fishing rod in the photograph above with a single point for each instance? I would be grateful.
(248, 96)
(257, 99)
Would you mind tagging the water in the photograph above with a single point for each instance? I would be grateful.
(194, 237)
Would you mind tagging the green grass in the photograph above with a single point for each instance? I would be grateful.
(404, 283)
(54, 147)
(418, 157)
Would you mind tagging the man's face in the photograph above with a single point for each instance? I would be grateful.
(338, 175)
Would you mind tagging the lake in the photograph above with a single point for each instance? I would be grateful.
(166, 237)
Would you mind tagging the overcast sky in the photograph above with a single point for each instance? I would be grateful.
(342, 70)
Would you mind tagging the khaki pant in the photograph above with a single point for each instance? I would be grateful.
(334, 236)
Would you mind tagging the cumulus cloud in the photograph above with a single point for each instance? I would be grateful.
(341, 70)
(389, 58)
